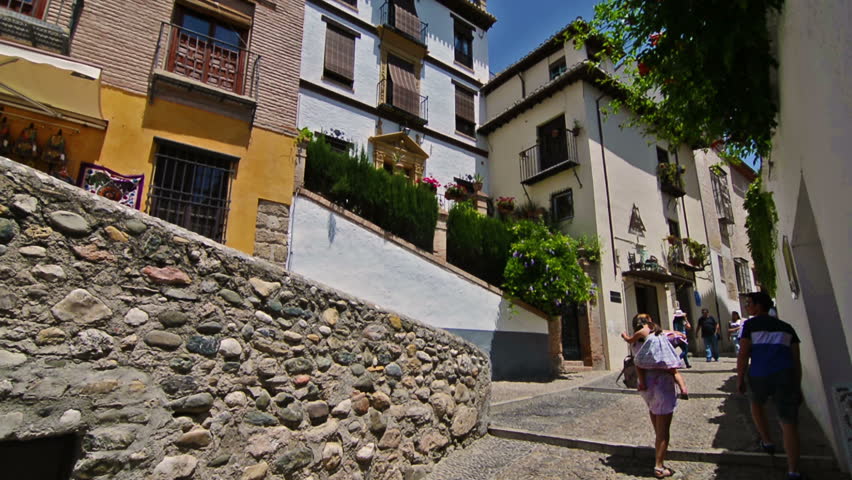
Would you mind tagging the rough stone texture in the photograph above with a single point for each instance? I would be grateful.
(166, 379)
(270, 241)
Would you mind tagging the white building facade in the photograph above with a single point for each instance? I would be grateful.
(551, 143)
(809, 174)
(375, 71)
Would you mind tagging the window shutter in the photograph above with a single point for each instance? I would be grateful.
(405, 92)
(464, 105)
(405, 18)
(340, 53)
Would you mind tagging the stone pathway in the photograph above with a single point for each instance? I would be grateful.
(576, 407)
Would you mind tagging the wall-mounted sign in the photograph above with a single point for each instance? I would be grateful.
(615, 297)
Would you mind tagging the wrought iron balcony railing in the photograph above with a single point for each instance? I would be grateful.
(205, 61)
(46, 24)
(404, 23)
(408, 105)
(548, 158)
(671, 179)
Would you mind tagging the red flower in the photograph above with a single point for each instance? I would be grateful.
(655, 38)
(643, 69)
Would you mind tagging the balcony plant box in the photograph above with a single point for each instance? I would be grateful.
(455, 192)
(505, 205)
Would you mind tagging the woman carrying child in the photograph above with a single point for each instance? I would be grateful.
(657, 366)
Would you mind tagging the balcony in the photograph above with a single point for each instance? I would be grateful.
(403, 105)
(44, 24)
(686, 255)
(549, 158)
(404, 23)
(193, 62)
(671, 179)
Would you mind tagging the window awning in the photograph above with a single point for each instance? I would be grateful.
(51, 85)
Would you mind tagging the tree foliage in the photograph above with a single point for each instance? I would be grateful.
(700, 69)
(762, 234)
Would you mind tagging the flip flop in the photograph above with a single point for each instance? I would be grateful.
(663, 472)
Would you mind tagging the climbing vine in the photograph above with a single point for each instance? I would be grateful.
(706, 65)
(762, 234)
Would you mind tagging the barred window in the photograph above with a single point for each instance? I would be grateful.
(743, 275)
(192, 188)
(339, 55)
(465, 112)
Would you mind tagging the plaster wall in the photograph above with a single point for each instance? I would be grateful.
(385, 273)
(810, 158)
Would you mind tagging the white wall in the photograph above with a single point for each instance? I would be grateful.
(811, 150)
(335, 251)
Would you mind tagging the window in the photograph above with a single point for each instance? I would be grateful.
(339, 55)
(722, 196)
(562, 205)
(721, 267)
(351, 3)
(465, 112)
(463, 39)
(674, 228)
(662, 155)
(558, 68)
(192, 188)
(208, 50)
(337, 144)
(403, 17)
(403, 91)
(553, 143)
(743, 275)
(32, 8)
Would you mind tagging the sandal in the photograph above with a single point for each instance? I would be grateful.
(767, 447)
(663, 472)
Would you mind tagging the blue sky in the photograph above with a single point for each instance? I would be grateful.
(522, 25)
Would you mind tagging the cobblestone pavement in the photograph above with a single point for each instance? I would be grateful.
(561, 408)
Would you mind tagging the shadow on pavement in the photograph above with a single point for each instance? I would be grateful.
(630, 466)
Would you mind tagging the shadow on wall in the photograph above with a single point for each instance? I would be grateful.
(517, 355)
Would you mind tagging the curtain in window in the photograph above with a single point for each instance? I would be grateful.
(340, 53)
(464, 105)
(405, 18)
(405, 92)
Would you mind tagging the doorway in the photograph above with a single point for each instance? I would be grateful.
(571, 349)
(646, 301)
(41, 459)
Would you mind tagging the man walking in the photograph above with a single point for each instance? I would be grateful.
(709, 328)
(772, 347)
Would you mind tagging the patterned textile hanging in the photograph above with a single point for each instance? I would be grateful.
(26, 148)
(5, 137)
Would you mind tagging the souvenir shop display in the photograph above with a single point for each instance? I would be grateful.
(26, 148)
(124, 189)
(5, 137)
(54, 157)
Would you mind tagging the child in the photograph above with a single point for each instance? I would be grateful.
(656, 351)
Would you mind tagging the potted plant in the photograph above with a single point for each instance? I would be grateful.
(431, 183)
(699, 254)
(673, 239)
(505, 205)
(670, 174)
(577, 127)
(455, 192)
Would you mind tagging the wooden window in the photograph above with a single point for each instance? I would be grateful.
(721, 267)
(674, 228)
(553, 143)
(562, 205)
(463, 43)
(339, 55)
(743, 275)
(192, 188)
(557, 68)
(403, 91)
(32, 8)
(465, 111)
(662, 155)
(208, 50)
(403, 16)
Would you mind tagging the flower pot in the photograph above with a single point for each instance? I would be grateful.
(453, 195)
(505, 209)
(477, 186)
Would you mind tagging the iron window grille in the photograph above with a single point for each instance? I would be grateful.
(562, 205)
(191, 188)
(743, 275)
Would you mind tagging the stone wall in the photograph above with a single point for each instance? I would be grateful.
(270, 240)
(171, 357)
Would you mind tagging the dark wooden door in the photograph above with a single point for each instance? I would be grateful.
(553, 143)
(571, 349)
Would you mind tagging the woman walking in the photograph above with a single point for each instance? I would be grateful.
(660, 395)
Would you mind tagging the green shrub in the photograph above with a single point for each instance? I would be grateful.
(390, 201)
(477, 244)
(543, 269)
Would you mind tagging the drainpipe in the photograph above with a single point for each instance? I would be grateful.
(604, 335)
